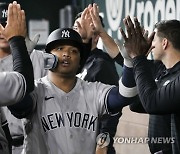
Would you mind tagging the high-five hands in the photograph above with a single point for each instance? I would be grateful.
(16, 24)
(97, 25)
(135, 42)
(84, 25)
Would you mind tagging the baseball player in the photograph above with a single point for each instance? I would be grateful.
(6, 60)
(9, 95)
(63, 109)
(13, 84)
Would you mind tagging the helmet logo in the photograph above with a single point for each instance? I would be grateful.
(65, 33)
(4, 13)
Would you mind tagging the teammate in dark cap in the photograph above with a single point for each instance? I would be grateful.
(63, 109)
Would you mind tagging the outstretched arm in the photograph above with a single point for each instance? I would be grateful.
(14, 32)
(123, 95)
(126, 93)
(155, 100)
(109, 44)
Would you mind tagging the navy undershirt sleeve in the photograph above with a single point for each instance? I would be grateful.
(115, 100)
(23, 65)
(21, 61)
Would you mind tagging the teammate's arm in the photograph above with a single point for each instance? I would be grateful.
(13, 85)
(126, 93)
(21, 61)
(23, 65)
(155, 100)
(109, 44)
(17, 84)
(123, 95)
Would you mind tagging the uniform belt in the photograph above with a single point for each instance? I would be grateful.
(17, 140)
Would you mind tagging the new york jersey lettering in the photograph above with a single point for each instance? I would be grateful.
(69, 119)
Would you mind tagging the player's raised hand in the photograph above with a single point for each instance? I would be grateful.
(134, 42)
(16, 24)
(97, 25)
(80, 25)
(84, 25)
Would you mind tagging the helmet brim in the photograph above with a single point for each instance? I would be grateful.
(56, 43)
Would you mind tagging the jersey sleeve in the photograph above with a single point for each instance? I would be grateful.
(25, 106)
(123, 95)
(13, 88)
(164, 100)
(21, 61)
(101, 97)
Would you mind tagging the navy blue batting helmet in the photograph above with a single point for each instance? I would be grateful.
(68, 36)
(64, 36)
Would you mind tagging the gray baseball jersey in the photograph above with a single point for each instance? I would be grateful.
(3, 140)
(66, 122)
(6, 64)
(33, 135)
(13, 88)
(15, 125)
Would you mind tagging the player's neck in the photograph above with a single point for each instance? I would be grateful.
(63, 83)
(171, 59)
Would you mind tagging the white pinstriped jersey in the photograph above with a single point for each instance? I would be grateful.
(66, 122)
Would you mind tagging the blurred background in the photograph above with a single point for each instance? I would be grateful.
(48, 15)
